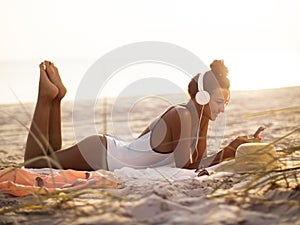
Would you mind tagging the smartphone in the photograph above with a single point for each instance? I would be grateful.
(258, 131)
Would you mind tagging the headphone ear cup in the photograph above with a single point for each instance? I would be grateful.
(202, 97)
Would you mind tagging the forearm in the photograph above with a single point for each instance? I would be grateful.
(227, 153)
(224, 154)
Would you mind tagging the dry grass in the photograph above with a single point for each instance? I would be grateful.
(101, 200)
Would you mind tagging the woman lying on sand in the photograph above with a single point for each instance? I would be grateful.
(177, 137)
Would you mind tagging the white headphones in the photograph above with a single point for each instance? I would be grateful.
(202, 97)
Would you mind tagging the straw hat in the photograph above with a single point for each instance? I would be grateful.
(253, 157)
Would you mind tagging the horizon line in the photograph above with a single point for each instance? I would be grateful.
(68, 99)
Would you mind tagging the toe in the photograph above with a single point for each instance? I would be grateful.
(47, 63)
(42, 66)
(55, 68)
(50, 69)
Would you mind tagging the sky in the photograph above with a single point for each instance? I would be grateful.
(258, 39)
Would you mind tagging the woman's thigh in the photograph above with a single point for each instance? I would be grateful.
(88, 154)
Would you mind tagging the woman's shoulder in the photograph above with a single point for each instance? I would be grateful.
(178, 110)
(172, 117)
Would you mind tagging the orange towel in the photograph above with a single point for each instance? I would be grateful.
(22, 182)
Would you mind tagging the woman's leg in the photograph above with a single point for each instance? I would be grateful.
(88, 154)
(55, 137)
(38, 137)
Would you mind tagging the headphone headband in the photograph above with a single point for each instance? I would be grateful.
(200, 82)
(202, 97)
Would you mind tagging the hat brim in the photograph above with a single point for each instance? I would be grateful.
(245, 167)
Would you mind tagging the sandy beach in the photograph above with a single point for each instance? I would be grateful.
(165, 195)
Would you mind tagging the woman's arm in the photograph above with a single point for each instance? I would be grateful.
(228, 152)
(179, 121)
(224, 154)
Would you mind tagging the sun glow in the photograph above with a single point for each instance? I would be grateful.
(262, 71)
(258, 40)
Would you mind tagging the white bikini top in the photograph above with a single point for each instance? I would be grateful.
(138, 153)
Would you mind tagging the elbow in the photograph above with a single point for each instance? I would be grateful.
(189, 166)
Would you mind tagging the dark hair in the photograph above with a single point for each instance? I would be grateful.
(214, 78)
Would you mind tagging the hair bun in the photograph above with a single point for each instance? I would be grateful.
(218, 68)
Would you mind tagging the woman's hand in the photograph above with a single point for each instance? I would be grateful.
(242, 140)
(228, 152)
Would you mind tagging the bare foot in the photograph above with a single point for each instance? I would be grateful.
(47, 90)
(54, 77)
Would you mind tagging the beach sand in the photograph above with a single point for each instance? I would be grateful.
(153, 196)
